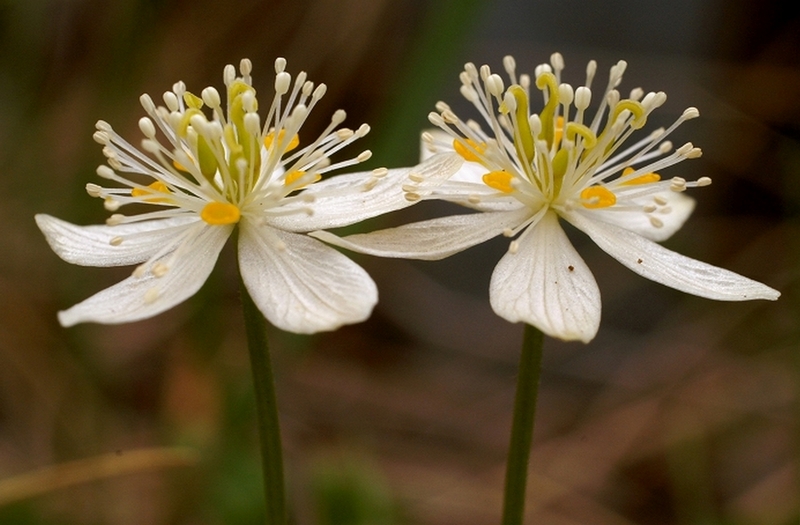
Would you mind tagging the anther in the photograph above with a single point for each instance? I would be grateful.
(101, 137)
(283, 81)
(364, 155)
(416, 177)
(508, 232)
(474, 199)
(661, 201)
(115, 241)
(380, 172)
(280, 65)
(245, 66)
(147, 103)
(151, 146)
(139, 271)
(408, 188)
(690, 113)
(703, 181)
(147, 127)
(558, 61)
(105, 172)
(656, 222)
(320, 92)
(495, 85)
(171, 101)
(649, 208)
(111, 204)
(513, 247)
(412, 197)
(583, 97)
(93, 189)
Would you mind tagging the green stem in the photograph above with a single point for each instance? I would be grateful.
(267, 410)
(530, 367)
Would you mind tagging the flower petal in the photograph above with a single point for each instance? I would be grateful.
(667, 219)
(140, 297)
(91, 245)
(432, 239)
(669, 268)
(547, 285)
(347, 199)
(300, 284)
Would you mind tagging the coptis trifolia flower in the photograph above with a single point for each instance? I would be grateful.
(213, 169)
(526, 170)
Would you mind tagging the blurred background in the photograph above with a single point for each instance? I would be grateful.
(681, 411)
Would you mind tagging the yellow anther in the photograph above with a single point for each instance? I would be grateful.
(547, 81)
(597, 197)
(294, 176)
(499, 180)
(270, 138)
(525, 147)
(647, 178)
(220, 213)
(155, 187)
(468, 148)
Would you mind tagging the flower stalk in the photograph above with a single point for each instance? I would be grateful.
(530, 367)
(269, 433)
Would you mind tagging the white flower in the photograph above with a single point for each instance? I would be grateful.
(213, 169)
(527, 170)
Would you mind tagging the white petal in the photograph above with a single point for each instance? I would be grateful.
(429, 240)
(547, 285)
(664, 266)
(347, 199)
(661, 226)
(300, 284)
(138, 298)
(91, 245)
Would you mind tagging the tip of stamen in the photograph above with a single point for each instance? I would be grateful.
(513, 247)
(365, 155)
(151, 295)
(508, 232)
(147, 103)
(111, 204)
(115, 219)
(703, 181)
(690, 113)
(115, 241)
(283, 81)
(105, 172)
(93, 189)
(412, 197)
(557, 60)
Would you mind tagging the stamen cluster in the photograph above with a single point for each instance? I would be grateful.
(560, 157)
(221, 161)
